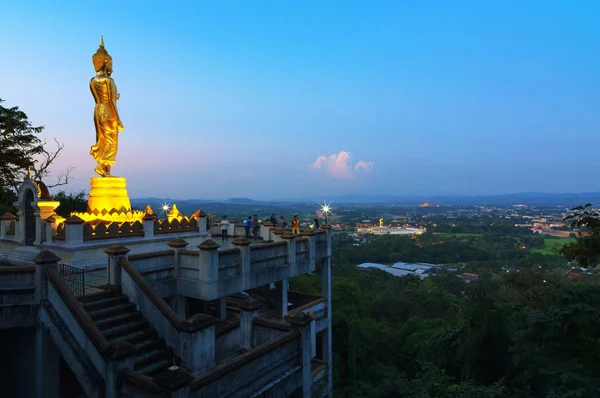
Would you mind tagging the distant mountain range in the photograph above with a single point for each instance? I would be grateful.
(528, 198)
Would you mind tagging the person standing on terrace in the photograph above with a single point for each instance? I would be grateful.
(224, 224)
(296, 225)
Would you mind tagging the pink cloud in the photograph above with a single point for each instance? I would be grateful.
(366, 166)
(248, 174)
(338, 165)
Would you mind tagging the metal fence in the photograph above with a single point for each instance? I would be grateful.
(82, 281)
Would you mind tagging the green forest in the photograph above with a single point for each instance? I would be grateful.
(527, 333)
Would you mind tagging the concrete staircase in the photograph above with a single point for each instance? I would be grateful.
(118, 319)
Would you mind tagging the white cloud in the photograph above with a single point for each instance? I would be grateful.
(338, 165)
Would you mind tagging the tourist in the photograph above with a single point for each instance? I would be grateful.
(247, 225)
(224, 224)
(296, 225)
(273, 219)
(255, 226)
(282, 224)
(315, 226)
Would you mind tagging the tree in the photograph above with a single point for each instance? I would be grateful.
(19, 144)
(586, 249)
(22, 149)
(70, 203)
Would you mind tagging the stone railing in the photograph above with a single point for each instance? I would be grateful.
(17, 293)
(8, 224)
(175, 226)
(83, 328)
(75, 230)
(281, 354)
(191, 339)
(268, 255)
(112, 231)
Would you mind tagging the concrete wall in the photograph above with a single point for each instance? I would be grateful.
(226, 344)
(18, 307)
(254, 375)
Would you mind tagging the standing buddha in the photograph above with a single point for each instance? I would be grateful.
(106, 117)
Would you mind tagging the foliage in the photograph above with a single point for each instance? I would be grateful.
(19, 144)
(22, 149)
(586, 249)
(7, 198)
(530, 333)
(70, 202)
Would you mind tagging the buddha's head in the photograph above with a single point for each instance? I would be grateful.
(102, 61)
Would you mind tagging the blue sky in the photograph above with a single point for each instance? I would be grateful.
(274, 99)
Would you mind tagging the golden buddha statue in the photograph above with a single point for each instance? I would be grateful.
(106, 117)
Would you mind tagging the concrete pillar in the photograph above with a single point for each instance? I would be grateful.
(312, 249)
(43, 210)
(202, 222)
(5, 221)
(74, 230)
(290, 239)
(47, 365)
(115, 252)
(325, 276)
(43, 260)
(20, 226)
(221, 308)
(110, 380)
(249, 310)
(180, 303)
(265, 230)
(243, 244)
(231, 230)
(281, 299)
(148, 223)
(303, 322)
(327, 228)
(208, 267)
(50, 228)
(197, 343)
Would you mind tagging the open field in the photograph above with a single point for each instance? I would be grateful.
(553, 244)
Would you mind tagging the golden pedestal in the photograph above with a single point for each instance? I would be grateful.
(108, 195)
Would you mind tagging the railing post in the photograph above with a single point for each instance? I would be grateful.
(327, 229)
(46, 355)
(148, 224)
(304, 324)
(177, 245)
(202, 222)
(50, 228)
(243, 244)
(113, 271)
(208, 267)
(265, 230)
(290, 239)
(249, 310)
(5, 221)
(43, 260)
(197, 335)
(74, 230)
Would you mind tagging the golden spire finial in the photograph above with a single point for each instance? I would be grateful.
(101, 41)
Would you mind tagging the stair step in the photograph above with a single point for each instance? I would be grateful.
(117, 320)
(150, 344)
(104, 302)
(153, 356)
(116, 332)
(156, 368)
(100, 296)
(107, 311)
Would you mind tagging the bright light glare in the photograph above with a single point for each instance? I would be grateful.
(165, 207)
(326, 208)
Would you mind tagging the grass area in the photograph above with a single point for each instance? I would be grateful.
(552, 245)
(462, 235)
